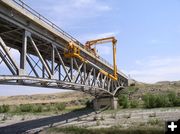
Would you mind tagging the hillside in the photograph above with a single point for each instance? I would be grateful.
(138, 90)
(66, 97)
(74, 103)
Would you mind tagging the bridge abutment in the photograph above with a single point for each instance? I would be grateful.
(99, 103)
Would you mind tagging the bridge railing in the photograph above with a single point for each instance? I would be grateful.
(44, 19)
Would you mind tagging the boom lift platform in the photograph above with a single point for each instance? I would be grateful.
(74, 51)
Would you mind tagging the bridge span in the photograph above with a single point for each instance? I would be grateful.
(32, 53)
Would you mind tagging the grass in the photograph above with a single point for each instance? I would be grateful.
(32, 108)
(134, 103)
(4, 108)
(130, 98)
(153, 122)
(161, 100)
(112, 130)
(123, 101)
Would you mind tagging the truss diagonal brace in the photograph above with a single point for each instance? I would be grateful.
(32, 67)
(62, 63)
(7, 63)
(3, 45)
(40, 57)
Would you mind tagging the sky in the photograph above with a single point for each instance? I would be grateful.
(148, 32)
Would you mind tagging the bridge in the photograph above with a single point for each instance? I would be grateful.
(32, 53)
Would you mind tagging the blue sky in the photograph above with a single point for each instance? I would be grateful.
(148, 32)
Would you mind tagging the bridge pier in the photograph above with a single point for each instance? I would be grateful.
(105, 101)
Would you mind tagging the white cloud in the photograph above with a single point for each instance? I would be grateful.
(108, 34)
(96, 5)
(66, 12)
(157, 69)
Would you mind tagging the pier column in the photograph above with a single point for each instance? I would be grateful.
(99, 103)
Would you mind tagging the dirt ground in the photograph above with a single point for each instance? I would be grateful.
(123, 118)
(128, 118)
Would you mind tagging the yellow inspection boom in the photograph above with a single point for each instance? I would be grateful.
(91, 43)
(74, 51)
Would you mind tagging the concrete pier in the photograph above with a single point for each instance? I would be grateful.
(105, 101)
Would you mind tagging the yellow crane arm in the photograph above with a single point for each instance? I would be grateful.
(89, 45)
(74, 51)
(100, 41)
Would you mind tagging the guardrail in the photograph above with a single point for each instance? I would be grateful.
(57, 28)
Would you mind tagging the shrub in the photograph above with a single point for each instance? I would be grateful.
(172, 98)
(60, 106)
(153, 101)
(47, 108)
(134, 103)
(25, 108)
(123, 101)
(132, 90)
(146, 100)
(37, 108)
(4, 108)
(153, 121)
(177, 102)
(161, 100)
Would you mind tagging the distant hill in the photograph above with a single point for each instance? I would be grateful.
(75, 96)
(44, 98)
(168, 83)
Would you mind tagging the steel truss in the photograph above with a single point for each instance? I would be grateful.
(41, 61)
(53, 72)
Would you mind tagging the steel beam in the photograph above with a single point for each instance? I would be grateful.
(32, 67)
(23, 52)
(49, 48)
(62, 63)
(52, 60)
(40, 57)
(4, 47)
(7, 63)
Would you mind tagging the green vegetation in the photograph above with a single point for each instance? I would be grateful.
(123, 98)
(161, 100)
(123, 101)
(153, 122)
(134, 103)
(132, 90)
(37, 108)
(4, 108)
(32, 108)
(112, 130)
(60, 106)
(25, 108)
(130, 98)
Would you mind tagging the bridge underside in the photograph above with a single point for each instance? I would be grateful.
(34, 57)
